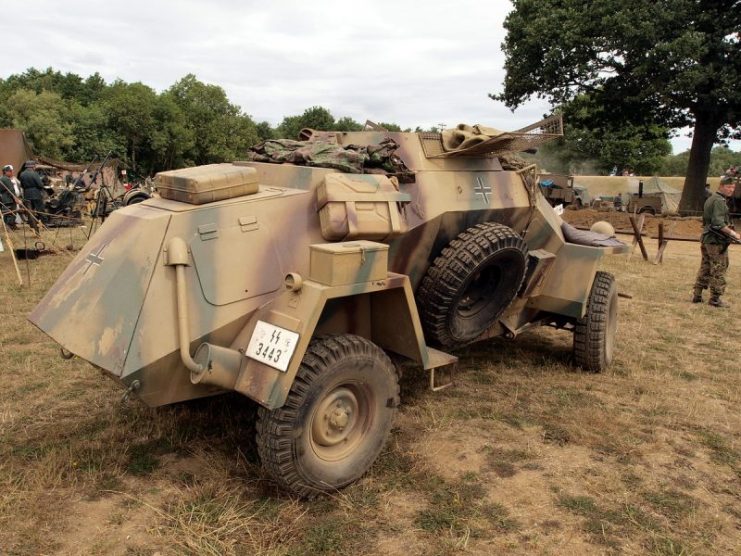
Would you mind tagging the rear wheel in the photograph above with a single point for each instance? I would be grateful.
(594, 335)
(336, 419)
(471, 283)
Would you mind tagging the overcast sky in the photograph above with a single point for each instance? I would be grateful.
(408, 62)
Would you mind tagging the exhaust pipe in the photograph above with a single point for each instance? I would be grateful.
(219, 366)
(215, 365)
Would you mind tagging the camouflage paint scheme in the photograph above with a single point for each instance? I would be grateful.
(116, 304)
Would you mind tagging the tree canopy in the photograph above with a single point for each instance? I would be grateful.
(594, 142)
(65, 116)
(318, 118)
(648, 65)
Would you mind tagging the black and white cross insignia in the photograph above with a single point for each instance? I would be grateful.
(95, 258)
(482, 189)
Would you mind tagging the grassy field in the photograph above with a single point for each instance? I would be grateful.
(524, 456)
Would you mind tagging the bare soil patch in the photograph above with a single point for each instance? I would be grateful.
(674, 226)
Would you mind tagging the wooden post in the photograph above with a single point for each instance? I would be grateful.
(662, 245)
(637, 239)
(12, 251)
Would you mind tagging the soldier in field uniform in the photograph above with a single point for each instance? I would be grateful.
(716, 228)
(33, 194)
(7, 196)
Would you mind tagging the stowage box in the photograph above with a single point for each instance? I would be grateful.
(350, 262)
(206, 184)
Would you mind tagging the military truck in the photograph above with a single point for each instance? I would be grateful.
(559, 189)
(303, 287)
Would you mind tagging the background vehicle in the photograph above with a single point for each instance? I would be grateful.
(559, 189)
(654, 197)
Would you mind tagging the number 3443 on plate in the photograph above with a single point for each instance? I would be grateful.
(272, 345)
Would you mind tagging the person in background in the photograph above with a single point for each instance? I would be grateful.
(33, 194)
(8, 195)
(716, 236)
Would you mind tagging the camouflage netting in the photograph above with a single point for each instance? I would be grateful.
(352, 159)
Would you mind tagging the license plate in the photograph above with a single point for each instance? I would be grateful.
(272, 345)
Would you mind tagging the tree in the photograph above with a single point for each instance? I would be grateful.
(264, 131)
(171, 137)
(346, 123)
(69, 86)
(221, 131)
(315, 117)
(594, 141)
(93, 134)
(389, 127)
(45, 119)
(130, 108)
(670, 63)
(721, 158)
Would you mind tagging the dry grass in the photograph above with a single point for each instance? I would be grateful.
(526, 455)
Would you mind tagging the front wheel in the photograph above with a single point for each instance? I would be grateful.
(594, 334)
(336, 419)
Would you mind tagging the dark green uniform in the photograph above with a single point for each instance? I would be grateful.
(712, 273)
(7, 201)
(33, 194)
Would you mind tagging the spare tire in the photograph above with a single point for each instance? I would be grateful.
(135, 196)
(471, 283)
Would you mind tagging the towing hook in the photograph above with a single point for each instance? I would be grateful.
(132, 389)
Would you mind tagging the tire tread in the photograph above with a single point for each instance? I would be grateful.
(590, 332)
(275, 429)
(451, 268)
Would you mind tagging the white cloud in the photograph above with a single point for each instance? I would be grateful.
(401, 61)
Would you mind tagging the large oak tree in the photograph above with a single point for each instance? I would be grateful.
(674, 63)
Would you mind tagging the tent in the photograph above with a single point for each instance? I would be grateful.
(14, 149)
(669, 196)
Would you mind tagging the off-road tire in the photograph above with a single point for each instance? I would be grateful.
(136, 200)
(594, 334)
(471, 283)
(336, 420)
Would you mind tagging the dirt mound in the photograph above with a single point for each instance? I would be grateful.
(674, 226)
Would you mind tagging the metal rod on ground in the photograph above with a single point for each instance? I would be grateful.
(12, 252)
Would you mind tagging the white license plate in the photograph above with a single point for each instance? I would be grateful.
(272, 345)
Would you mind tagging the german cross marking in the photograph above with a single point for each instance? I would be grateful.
(95, 258)
(482, 189)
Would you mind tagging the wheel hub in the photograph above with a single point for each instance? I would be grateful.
(335, 418)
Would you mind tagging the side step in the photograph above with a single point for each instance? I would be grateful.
(437, 360)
